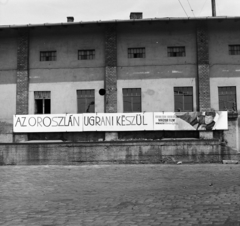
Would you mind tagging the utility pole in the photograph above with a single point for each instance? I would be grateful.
(213, 8)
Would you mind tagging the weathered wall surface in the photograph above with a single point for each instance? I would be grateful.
(225, 71)
(157, 94)
(66, 41)
(109, 152)
(64, 95)
(8, 70)
(156, 37)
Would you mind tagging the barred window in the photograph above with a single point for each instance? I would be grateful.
(42, 102)
(183, 99)
(48, 55)
(136, 52)
(86, 54)
(234, 49)
(132, 100)
(177, 51)
(86, 101)
(227, 98)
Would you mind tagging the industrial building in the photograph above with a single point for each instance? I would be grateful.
(120, 66)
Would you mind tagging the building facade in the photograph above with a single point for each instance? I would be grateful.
(136, 65)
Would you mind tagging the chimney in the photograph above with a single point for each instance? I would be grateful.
(70, 19)
(213, 8)
(135, 16)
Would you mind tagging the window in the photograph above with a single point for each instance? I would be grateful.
(234, 49)
(227, 98)
(183, 99)
(136, 52)
(86, 101)
(177, 51)
(132, 100)
(86, 54)
(48, 56)
(42, 102)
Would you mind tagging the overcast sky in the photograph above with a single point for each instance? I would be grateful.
(55, 11)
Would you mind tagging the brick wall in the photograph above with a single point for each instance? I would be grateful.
(22, 78)
(203, 68)
(111, 69)
(22, 73)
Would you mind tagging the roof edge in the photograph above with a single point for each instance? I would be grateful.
(119, 21)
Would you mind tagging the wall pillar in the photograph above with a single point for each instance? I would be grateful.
(111, 74)
(203, 79)
(22, 88)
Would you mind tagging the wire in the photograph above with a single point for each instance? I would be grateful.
(183, 7)
(202, 7)
(191, 8)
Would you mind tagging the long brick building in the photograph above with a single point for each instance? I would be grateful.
(135, 65)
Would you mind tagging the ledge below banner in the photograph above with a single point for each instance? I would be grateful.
(112, 152)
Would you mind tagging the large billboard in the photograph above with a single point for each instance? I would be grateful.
(149, 121)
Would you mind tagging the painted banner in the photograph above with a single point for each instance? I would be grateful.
(118, 122)
(191, 120)
(47, 123)
(178, 121)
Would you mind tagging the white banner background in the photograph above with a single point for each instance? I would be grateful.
(120, 122)
(47, 123)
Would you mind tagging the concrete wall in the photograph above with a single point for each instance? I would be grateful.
(111, 152)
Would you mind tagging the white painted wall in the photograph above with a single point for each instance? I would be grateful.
(157, 94)
(7, 102)
(64, 95)
(218, 82)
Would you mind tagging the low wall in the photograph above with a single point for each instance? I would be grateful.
(127, 152)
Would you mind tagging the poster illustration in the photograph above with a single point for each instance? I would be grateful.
(214, 120)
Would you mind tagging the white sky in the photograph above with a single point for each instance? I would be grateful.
(55, 11)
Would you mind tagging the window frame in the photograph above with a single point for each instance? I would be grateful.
(88, 54)
(235, 49)
(183, 95)
(86, 98)
(42, 95)
(136, 52)
(227, 97)
(174, 51)
(132, 96)
(48, 55)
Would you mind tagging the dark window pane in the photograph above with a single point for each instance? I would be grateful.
(234, 49)
(47, 106)
(38, 106)
(86, 54)
(132, 100)
(47, 55)
(178, 103)
(183, 99)
(127, 104)
(90, 105)
(227, 98)
(86, 102)
(81, 105)
(188, 103)
(136, 53)
(136, 104)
